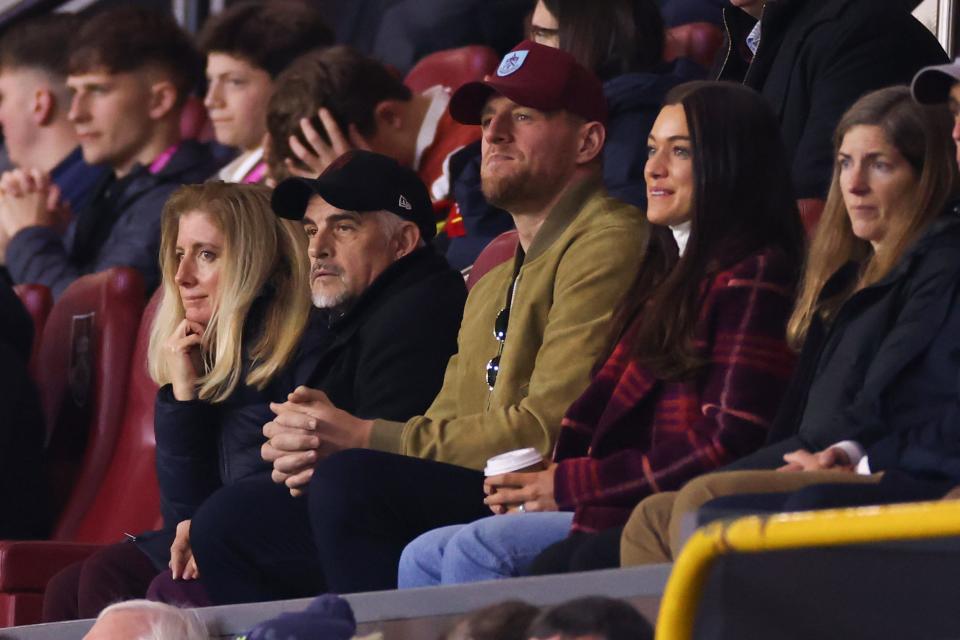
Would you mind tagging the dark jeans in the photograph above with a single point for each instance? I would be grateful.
(117, 572)
(580, 552)
(365, 506)
(252, 543)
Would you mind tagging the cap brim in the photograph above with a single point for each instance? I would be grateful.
(467, 103)
(932, 85)
(290, 198)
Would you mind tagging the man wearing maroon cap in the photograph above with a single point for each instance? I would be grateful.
(532, 330)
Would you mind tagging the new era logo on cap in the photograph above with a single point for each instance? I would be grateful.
(404, 204)
(511, 63)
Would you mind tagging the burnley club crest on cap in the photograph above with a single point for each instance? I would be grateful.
(511, 62)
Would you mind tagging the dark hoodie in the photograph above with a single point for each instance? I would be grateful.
(634, 100)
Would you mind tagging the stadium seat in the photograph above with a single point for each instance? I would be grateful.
(194, 122)
(810, 212)
(127, 500)
(500, 249)
(82, 369)
(452, 68)
(698, 41)
(38, 301)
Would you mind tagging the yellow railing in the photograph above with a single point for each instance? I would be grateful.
(754, 534)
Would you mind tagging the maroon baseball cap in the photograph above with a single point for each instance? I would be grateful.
(536, 76)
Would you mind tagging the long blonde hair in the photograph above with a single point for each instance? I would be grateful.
(261, 253)
(922, 136)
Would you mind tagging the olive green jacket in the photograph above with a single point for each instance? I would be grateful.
(578, 267)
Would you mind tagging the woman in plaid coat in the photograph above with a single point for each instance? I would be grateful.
(699, 358)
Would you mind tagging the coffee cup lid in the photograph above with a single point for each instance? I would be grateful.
(511, 461)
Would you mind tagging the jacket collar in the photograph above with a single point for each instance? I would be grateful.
(191, 157)
(412, 268)
(943, 231)
(786, 24)
(563, 213)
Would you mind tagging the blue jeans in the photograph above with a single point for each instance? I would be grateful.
(489, 549)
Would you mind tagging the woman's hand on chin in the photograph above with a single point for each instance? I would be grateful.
(183, 358)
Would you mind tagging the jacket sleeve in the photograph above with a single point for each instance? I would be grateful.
(929, 444)
(749, 368)
(39, 255)
(187, 468)
(590, 280)
(398, 379)
(888, 396)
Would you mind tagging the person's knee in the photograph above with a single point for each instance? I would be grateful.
(698, 491)
(222, 519)
(419, 564)
(340, 484)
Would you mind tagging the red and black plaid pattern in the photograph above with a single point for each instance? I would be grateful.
(631, 434)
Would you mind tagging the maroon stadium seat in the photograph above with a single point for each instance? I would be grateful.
(84, 366)
(500, 249)
(698, 41)
(194, 121)
(810, 212)
(452, 68)
(38, 301)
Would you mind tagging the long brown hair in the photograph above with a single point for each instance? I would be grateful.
(735, 139)
(921, 134)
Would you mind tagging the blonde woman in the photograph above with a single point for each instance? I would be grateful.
(232, 330)
(872, 406)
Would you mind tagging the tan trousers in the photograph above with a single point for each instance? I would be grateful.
(653, 532)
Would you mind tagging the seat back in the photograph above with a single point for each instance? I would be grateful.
(38, 300)
(500, 249)
(194, 121)
(810, 211)
(82, 368)
(128, 499)
(452, 68)
(698, 41)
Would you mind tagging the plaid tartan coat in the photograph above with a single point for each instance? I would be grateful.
(631, 434)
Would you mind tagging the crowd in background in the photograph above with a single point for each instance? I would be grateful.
(733, 286)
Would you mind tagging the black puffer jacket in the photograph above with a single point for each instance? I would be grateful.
(889, 361)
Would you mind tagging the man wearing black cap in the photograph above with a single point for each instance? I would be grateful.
(392, 310)
(532, 330)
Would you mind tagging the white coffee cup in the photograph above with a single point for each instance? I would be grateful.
(528, 459)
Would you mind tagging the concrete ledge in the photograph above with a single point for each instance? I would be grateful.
(416, 613)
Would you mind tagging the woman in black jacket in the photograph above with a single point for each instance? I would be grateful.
(878, 319)
(233, 332)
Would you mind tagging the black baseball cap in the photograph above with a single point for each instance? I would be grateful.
(361, 181)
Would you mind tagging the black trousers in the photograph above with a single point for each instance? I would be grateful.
(580, 552)
(252, 543)
(365, 506)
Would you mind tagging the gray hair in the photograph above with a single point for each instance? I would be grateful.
(390, 224)
(166, 622)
